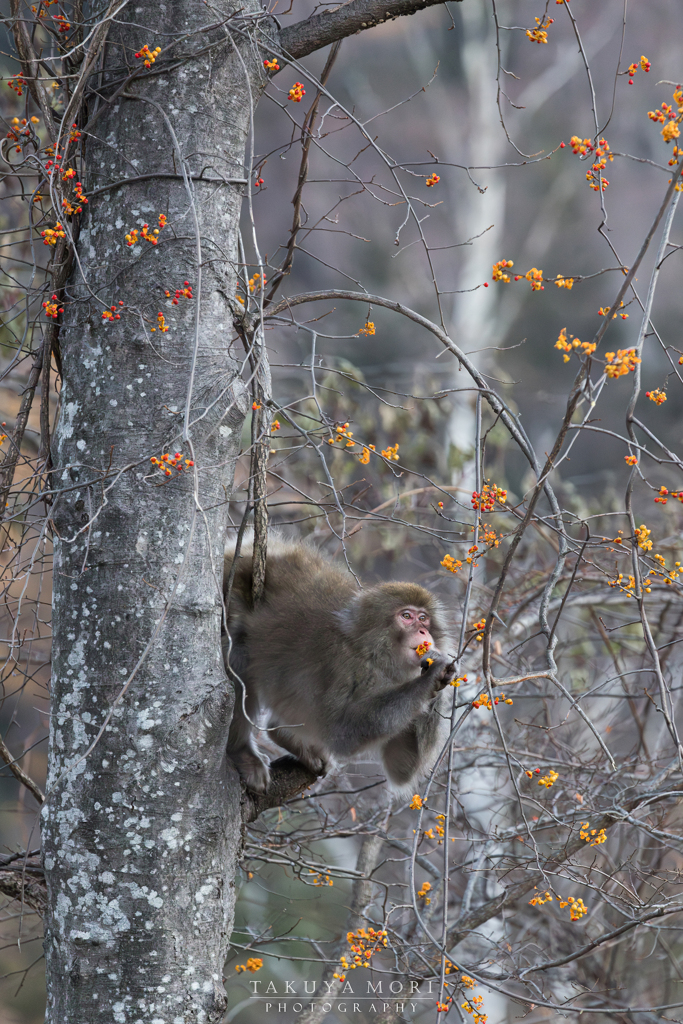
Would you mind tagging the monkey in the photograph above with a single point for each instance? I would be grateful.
(335, 668)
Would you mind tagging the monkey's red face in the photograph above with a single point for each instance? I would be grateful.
(413, 626)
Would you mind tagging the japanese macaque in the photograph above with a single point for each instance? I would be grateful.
(338, 670)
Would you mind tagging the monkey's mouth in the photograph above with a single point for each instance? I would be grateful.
(423, 648)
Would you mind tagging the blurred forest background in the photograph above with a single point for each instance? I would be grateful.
(429, 82)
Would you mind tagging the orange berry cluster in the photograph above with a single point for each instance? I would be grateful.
(363, 943)
(391, 453)
(577, 906)
(161, 326)
(625, 361)
(275, 426)
(668, 575)
(535, 279)
(480, 625)
(487, 497)
(364, 457)
(569, 346)
(416, 803)
(60, 21)
(297, 92)
(344, 434)
(50, 235)
(643, 63)
(539, 34)
(474, 1006)
(593, 178)
(591, 835)
(676, 153)
(489, 536)
(167, 463)
(642, 536)
(422, 648)
(69, 209)
(150, 56)
(631, 460)
(272, 65)
(450, 563)
(605, 310)
(499, 270)
(112, 313)
(670, 131)
(472, 554)
(41, 9)
(664, 495)
(529, 774)
(564, 282)
(580, 147)
(253, 964)
(433, 179)
(255, 283)
(320, 878)
(22, 130)
(549, 779)
(484, 701)
(422, 893)
(543, 897)
(17, 84)
(52, 308)
(657, 396)
(368, 329)
(149, 236)
(627, 588)
(181, 293)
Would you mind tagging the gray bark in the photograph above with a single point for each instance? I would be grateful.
(141, 837)
(143, 814)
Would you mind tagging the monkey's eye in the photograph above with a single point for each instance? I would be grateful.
(406, 615)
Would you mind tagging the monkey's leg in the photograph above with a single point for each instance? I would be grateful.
(242, 749)
(401, 757)
(313, 758)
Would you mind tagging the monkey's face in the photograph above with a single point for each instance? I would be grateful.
(413, 633)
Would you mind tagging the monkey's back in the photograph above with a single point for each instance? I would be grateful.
(294, 639)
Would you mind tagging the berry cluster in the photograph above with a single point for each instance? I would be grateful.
(112, 313)
(52, 308)
(168, 463)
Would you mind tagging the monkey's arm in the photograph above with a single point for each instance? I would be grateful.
(382, 715)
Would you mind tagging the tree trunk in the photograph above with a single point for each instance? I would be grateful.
(141, 837)
(143, 815)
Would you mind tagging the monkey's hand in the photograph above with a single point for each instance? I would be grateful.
(439, 670)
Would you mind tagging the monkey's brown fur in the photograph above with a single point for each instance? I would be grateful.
(326, 663)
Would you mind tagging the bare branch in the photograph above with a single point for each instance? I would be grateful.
(312, 34)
